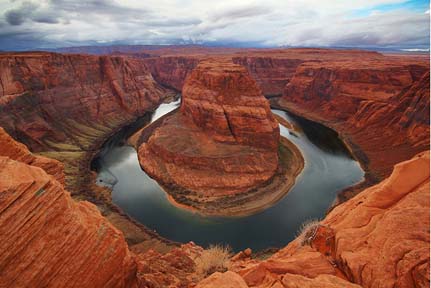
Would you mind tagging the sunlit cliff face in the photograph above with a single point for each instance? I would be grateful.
(366, 23)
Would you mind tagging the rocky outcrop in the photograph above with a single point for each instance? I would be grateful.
(370, 103)
(48, 239)
(225, 102)
(223, 280)
(317, 82)
(66, 106)
(382, 235)
(222, 142)
(380, 238)
(19, 152)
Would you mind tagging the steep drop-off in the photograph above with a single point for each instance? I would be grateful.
(66, 106)
(380, 238)
(46, 237)
(370, 103)
(49, 239)
(222, 142)
(348, 90)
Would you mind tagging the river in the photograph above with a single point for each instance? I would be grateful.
(328, 169)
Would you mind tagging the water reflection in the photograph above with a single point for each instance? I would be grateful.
(328, 169)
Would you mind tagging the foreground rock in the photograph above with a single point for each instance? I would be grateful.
(222, 143)
(47, 239)
(66, 106)
(380, 238)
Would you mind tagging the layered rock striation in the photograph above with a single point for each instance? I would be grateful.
(370, 103)
(316, 83)
(48, 239)
(66, 106)
(222, 142)
(225, 102)
(380, 238)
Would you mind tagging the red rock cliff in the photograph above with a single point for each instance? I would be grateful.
(222, 141)
(171, 71)
(48, 239)
(380, 238)
(370, 102)
(223, 100)
(65, 106)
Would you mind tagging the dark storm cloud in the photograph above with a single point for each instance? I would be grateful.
(18, 16)
(46, 19)
(240, 12)
(30, 11)
(172, 22)
(101, 7)
(21, 40)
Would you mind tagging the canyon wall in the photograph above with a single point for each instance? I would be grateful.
(271, 73)
(380, 238)
(171, 71)
(49, 239)
(348, 90)
(66, 106)
(370, 103)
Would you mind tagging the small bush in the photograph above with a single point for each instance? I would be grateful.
(214, 259)
(308, 231)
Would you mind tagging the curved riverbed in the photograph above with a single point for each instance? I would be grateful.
(328, 169)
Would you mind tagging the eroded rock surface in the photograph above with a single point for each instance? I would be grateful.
(380, 238)
(371, 103)
(66, 106)
(48, 239)
(222, 142)
(61, 106)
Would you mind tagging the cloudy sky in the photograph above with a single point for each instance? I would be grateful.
(34, 24)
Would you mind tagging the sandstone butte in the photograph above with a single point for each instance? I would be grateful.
(222, 143)
(66, 106)
(316, 83)
(380, 238)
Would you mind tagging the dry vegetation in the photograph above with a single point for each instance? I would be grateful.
(214, 259)
(308, 231)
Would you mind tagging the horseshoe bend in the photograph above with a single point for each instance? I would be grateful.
(220, 153)
(119, 170)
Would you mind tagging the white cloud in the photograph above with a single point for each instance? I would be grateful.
(266, 22)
